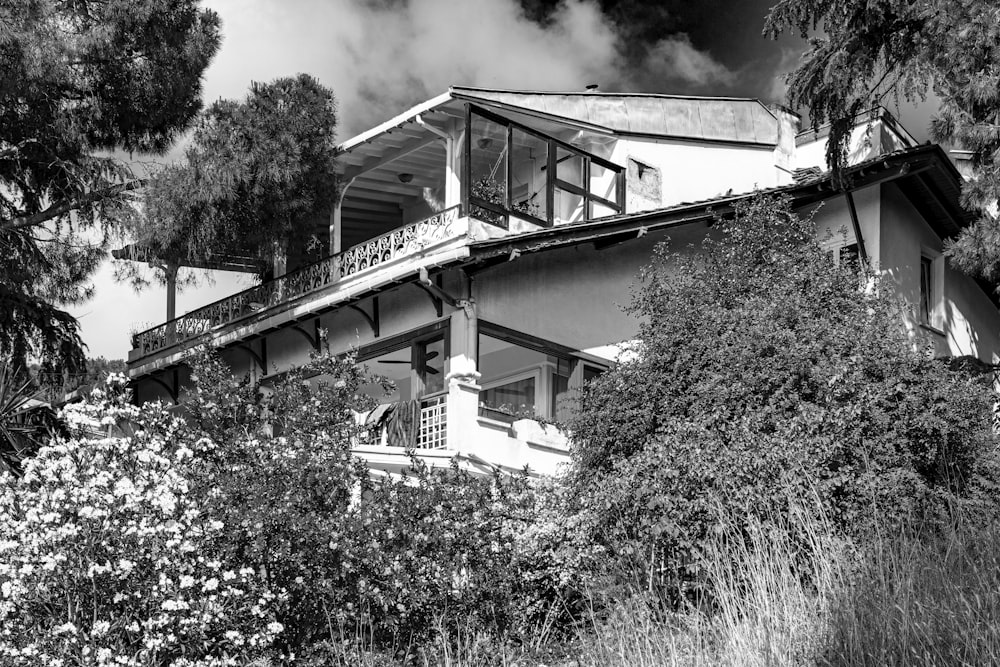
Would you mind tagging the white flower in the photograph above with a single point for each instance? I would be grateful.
(210, 585)
(67, 628)
(186, 581)
(100, 628)
(275, 627)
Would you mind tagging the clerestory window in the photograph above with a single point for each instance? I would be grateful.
(515, 171)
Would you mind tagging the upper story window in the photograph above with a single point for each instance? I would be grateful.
(926, 306)
(930, 289)
(512, 170)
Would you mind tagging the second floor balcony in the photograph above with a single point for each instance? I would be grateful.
(414, 192)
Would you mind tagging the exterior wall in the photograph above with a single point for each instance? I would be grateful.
(866, 142)
(573, 296)
(692, 171)
(965, 322)
(833, 221)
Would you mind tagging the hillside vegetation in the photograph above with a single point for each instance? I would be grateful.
(777, 474)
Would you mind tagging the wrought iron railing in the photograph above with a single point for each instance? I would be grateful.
(401, 242)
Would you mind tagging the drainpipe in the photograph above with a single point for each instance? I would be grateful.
(862, 251)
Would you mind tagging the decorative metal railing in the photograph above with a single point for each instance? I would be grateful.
(401, 242)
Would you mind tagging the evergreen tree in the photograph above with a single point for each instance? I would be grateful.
(253, 171)
(79, 80)
(868, 53)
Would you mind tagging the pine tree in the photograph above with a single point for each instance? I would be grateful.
(79, 80)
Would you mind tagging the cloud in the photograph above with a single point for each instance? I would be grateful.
(787, 63)
(675, 58)
(382, 57)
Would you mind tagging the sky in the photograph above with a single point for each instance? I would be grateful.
(382, 56)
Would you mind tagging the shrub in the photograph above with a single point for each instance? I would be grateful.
(393, 563)
(761, 372)
(106, 557)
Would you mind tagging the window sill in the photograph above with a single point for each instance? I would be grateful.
(932, 329)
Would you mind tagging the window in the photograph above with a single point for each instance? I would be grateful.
(512, 170)
(514, 399)
(926, 305)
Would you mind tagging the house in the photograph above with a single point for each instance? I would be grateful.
(484, 242)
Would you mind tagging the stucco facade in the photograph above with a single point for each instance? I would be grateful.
(486, 243)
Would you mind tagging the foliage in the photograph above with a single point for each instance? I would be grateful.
(869, 51)
(79, 79)
(25, 424)
(396, 561)
(762, 372)
(254, 172)
(106, 556)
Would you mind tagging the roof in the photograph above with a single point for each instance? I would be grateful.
(727, 119)
(924, 173)
(736, 119)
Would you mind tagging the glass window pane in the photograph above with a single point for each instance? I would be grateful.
(488, 161)
(926, 297)
(569, 167)
(568, 207)
(529, 158)
(432, 372)
(514, 398)
(603, 183)
(598, 210)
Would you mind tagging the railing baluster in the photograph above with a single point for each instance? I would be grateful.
(327, 271)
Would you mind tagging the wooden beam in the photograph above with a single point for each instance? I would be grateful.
(389, 156)
(375, 205)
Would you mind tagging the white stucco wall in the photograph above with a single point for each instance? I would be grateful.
(573, 296)
(968, 322)
(696, 171)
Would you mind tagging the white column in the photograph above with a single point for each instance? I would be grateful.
(463, 377)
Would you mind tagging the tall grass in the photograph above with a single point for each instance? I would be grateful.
(792, 593)
(920, 600)
(786, 592)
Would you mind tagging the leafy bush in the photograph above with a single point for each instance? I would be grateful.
(107, 558)
(762, 372)
(391, 562)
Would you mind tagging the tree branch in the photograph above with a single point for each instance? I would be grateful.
(66, 206)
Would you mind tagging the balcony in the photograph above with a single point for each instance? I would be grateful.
(339, 270)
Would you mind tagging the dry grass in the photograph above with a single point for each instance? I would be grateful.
(790, 593)
(904, 600)
(921, 601)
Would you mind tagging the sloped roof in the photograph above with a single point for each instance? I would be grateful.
(924, 173)
(727, 119)
(735, 119)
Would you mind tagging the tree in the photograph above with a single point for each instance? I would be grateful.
(253, 172)
(77, 81)
(868, 52)
(763, 374)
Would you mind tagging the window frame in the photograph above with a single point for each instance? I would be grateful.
(552, 182)
(934, 260)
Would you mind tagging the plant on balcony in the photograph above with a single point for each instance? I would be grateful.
(490, 190)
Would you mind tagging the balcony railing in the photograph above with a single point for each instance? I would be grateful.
(430, 432)
(401, 242)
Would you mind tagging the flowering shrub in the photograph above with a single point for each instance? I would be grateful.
(107, 559)
(394, 559)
